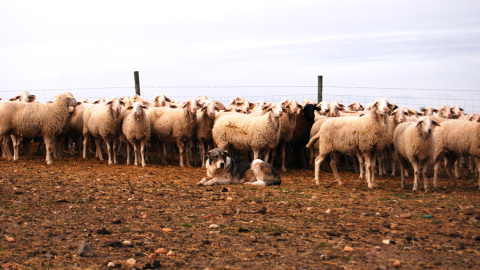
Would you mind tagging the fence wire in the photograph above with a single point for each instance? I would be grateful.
(410, 97)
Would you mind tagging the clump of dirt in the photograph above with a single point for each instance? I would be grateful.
(156, 217)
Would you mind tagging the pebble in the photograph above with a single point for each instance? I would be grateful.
(396, 263)
(213, 226)
(152, 256)
(171, 253)
(9, 239)
(328, 211)
(127, 243)
(253, 238)
(167, 230)
(111, 265)
(161, 251)
(208, 216)
(406, 215)
(85, 250)
(386, 241)
(393, 226)
(131, 262)
(348, 249)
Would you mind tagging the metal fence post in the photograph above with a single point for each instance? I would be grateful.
(320, 88)
(137, 82)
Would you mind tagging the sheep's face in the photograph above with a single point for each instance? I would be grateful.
(161, 101)
(191, 105)
(400, 115)
(275, 108)
(426, 126)
(382, 106)
(355, 106)
(290, 106)
(323, 105)
(456, 111)
(445, 112)
(210, 108)
(334, 109)
(137, 109)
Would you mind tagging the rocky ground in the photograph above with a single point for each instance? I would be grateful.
(156, 217)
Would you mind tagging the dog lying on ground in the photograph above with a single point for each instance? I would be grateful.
(224, 169)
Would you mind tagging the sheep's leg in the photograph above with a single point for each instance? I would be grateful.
(416, 175)
(361, 164)
(202, 144)
(98, 149)
(283, 148)
(374, 165)
(109, 151)
(85, 141)
(436, 166)
(16, 142)
(333, 165)
(128, 153)
(424, 174)
(114, 150)
(267, 155)
(181, 150)
(142, 151)
(394, 160)
(477, 163)
(368, 169)
(136, 153)
(450, 162)
(256, 154)
(48, 142)
(318, 161)
(402, 175)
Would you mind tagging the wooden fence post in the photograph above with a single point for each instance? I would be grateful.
(137, 82)
(320, 89)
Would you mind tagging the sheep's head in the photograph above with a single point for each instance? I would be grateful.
(426, 126)
(115, 105)
(161, 101)
(428, 111)
(445, 112)
(275, 108)
(382, 106)
(137, 109)
(191, 105)
(334, 109)
(209, 108)
(355, 106)
(323, 106)
(456, 111)
(24, 97)
(400, 115)
(290, 106)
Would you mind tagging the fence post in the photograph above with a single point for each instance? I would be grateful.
(320, 88)
(137, 82)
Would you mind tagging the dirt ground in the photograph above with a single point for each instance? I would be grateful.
(157, 218)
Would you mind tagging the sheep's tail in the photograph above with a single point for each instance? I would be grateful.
(313, 140)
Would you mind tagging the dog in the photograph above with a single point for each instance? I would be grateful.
(223, 169)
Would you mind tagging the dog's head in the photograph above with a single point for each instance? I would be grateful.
(218, 159)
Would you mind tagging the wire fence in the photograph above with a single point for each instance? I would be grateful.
(415, 98)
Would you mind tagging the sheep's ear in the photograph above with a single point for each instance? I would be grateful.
(392, 106)
(435, 123)
(419, 123)
(14, 98)
(203, 109)
(300, 106)
(167, 99)
(435, 110)
(79, 103)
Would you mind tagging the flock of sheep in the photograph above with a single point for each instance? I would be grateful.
(375, 135)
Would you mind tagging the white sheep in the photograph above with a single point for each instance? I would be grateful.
(239, 104)
(454, 139)
(429, 111)
(414, 143)
(36, 119)
(353, 135)
(204, 126)
(103, 122)
(172, 125)
(288, 122)
(397, 117)
(246, 132)
(25, 96)
(445, 112)
(136, 129)
(161, 101)
(457, 112)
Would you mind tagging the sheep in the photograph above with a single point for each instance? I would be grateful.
(397, 117)
(355, 107)
(239, 104)
(249, 132)
(414, 143)
(429, 111)
(172, 125)
(161, 101)
(24, 97)
(453, 139)
(204, 126)
(103, 122)
(136, 129)
(288, 122)
(353, 135)
(445, 112)
(36, 119)
(457, 112)
(301, 134)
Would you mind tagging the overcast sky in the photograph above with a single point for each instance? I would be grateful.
(53, 45)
